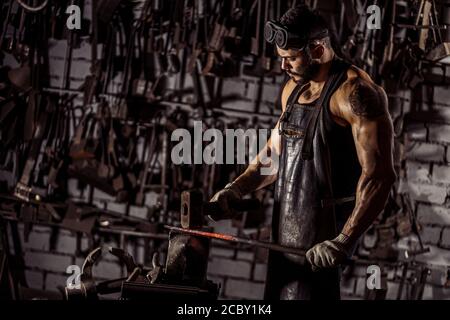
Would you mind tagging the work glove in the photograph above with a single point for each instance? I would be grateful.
(224, 197)
(330, 253)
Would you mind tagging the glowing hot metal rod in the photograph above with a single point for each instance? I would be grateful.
(229, 238)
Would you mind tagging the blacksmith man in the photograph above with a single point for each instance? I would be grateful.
(335, 143)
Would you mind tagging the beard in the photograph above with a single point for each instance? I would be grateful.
(307, 72)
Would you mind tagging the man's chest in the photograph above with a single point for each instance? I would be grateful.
(310, 97)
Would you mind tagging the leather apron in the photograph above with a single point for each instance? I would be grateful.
(318, 160)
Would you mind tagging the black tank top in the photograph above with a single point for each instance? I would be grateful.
(345, 167)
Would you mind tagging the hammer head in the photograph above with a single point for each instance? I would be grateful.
(191, 209)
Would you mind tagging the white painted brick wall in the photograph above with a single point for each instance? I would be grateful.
(442, 95)
(66, 243)
(392, 290)
(436, 257)
(136, 249)
(445, 241)
(416, 131)
(47, 261)
(245, 255)
(428, 293)
(425, 151)
(439, 133)
(244, 289)
(432, 214)
(431, 235)
(100, 195)
(260, 272)
(80, 69)
(38, 241)
(418, 171)
(139, 212)
(242, 105)
(441, 174)
(270, 93)
(348, 285)
(360, 286)
(117, 207)
(359, 270)
(35, 279)
(227, 267)
(53, 281)
(436, 293)
(84, 51)
(107, 270)
(234, 87)
(79, 261)
(428, 193)
(438, 275)
(221, 252)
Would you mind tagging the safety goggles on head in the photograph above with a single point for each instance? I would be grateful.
(283, 38)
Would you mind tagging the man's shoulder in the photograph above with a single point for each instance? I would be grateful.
(361, 94)
(357, 77)
(287, 89)
(289, 85)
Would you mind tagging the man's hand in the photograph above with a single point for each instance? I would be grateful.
(224, 197)
(330, 253)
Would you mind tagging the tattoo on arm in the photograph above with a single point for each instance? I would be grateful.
(366, 101)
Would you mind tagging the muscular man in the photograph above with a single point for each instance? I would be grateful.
(335, 144)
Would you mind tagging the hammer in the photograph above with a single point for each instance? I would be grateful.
(193, 209)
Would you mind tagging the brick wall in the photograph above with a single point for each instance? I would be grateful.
(426, 149)
(428, 181)
(45, 267)
(241, 273)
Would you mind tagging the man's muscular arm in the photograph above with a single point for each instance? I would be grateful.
(364, 106)
(367, 112)
(252, 178)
